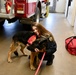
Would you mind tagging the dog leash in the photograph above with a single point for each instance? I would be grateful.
(40, 63)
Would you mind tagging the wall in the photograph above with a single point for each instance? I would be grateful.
(75, 26)
(60, 6)
(75, 19)
(66, 8)
(72, 13)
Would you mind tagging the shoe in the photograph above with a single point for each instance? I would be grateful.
(51, 61)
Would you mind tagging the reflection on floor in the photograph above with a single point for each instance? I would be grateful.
(64, 63)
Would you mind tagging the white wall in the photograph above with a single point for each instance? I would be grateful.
(66, 8)
(60, 6)
(75, 26)
(72, 13)
(75, 18)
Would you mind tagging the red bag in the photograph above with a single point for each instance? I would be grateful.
(70, 45)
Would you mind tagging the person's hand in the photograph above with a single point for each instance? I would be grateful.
(27, 45)
(36, 50)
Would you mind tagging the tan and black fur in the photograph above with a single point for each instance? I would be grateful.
(20, 39)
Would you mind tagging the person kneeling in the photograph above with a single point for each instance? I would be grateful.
(50, 50)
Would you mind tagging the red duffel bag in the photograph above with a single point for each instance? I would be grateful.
(70, 45)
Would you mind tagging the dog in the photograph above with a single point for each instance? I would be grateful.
(22, 39)
(41, 45)
(19, 39)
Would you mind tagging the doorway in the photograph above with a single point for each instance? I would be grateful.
(52, 6)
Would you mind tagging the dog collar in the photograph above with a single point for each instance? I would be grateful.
(31, 39)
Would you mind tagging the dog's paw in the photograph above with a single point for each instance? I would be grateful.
(32, 67)
(9, 61)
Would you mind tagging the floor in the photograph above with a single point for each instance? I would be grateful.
(63, 64)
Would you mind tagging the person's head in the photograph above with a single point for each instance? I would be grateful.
(39, 29)
(35, 29)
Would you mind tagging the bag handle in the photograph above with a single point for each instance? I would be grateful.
(71, 37)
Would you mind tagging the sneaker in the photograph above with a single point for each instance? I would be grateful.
(51, 61)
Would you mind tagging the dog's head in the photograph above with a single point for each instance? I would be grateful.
(40, 43)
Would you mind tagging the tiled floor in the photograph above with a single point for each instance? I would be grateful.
(64, 63)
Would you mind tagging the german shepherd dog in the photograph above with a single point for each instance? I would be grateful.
(22, 39)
